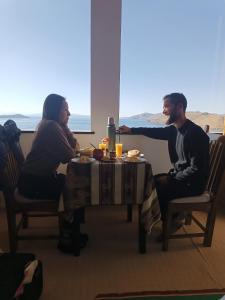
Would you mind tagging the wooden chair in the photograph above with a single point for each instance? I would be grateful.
(17, 204)
(205, 202)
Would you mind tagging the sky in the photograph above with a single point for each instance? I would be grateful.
(166, 46)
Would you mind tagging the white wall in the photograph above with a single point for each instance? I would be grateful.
(105, 62)
(154, 150)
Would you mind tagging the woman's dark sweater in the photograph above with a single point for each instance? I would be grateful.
(52, 146)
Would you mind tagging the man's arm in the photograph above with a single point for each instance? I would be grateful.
(162, 133)
(199, 158)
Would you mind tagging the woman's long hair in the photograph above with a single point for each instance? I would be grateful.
(52, 106)
(51, 110)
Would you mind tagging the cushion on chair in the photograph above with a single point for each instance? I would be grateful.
(203, 198)
(21, 199)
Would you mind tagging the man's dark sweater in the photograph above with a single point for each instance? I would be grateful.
(188, 150)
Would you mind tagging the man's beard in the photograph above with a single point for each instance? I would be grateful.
(172, 119)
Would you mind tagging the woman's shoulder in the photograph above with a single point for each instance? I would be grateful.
(49, 125)
(49, 129)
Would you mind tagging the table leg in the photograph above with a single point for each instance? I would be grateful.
(25, 220)
(76, 232)
(141, 232)
(82, 212)
(129, 212)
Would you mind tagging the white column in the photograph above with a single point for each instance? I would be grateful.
(105, 63)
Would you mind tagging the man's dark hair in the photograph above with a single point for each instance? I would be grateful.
(177, 98)
(52, 106)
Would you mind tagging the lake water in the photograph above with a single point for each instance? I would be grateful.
(76, 123)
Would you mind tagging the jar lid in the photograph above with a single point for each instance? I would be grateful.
(111, 121)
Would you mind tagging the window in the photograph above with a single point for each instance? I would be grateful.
(173, 46)
(45, 48)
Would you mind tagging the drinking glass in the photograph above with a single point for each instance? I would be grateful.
(102, 146)
(119, 149)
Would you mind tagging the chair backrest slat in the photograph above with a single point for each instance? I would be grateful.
(212, 149)
(10, 173)
(216, 166)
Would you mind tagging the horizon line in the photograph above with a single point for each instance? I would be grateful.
(89, 115)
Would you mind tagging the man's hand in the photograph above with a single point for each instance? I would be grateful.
(124, 129)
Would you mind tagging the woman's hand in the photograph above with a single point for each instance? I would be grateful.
(69, 135)
(77, 147)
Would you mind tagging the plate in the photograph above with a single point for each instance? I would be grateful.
(86, 151)
(78, 161)
(138, 160)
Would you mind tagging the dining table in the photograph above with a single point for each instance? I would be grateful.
(114, 182)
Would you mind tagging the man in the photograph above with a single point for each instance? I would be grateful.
(188, 147)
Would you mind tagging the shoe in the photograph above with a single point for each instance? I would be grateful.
(67, 247)
(66, 232)
(65, 244)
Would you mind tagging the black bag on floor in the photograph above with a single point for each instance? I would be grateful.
(12, 274)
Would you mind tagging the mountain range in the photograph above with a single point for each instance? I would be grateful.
(215, 121)
(15, 116)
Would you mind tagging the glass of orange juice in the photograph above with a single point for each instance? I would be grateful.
(119, 150)
(102, 146)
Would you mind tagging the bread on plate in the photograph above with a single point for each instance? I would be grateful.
(133, 153)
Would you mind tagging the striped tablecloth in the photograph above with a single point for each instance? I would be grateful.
(117, 183)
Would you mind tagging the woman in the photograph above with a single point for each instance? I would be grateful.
(54, 144)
